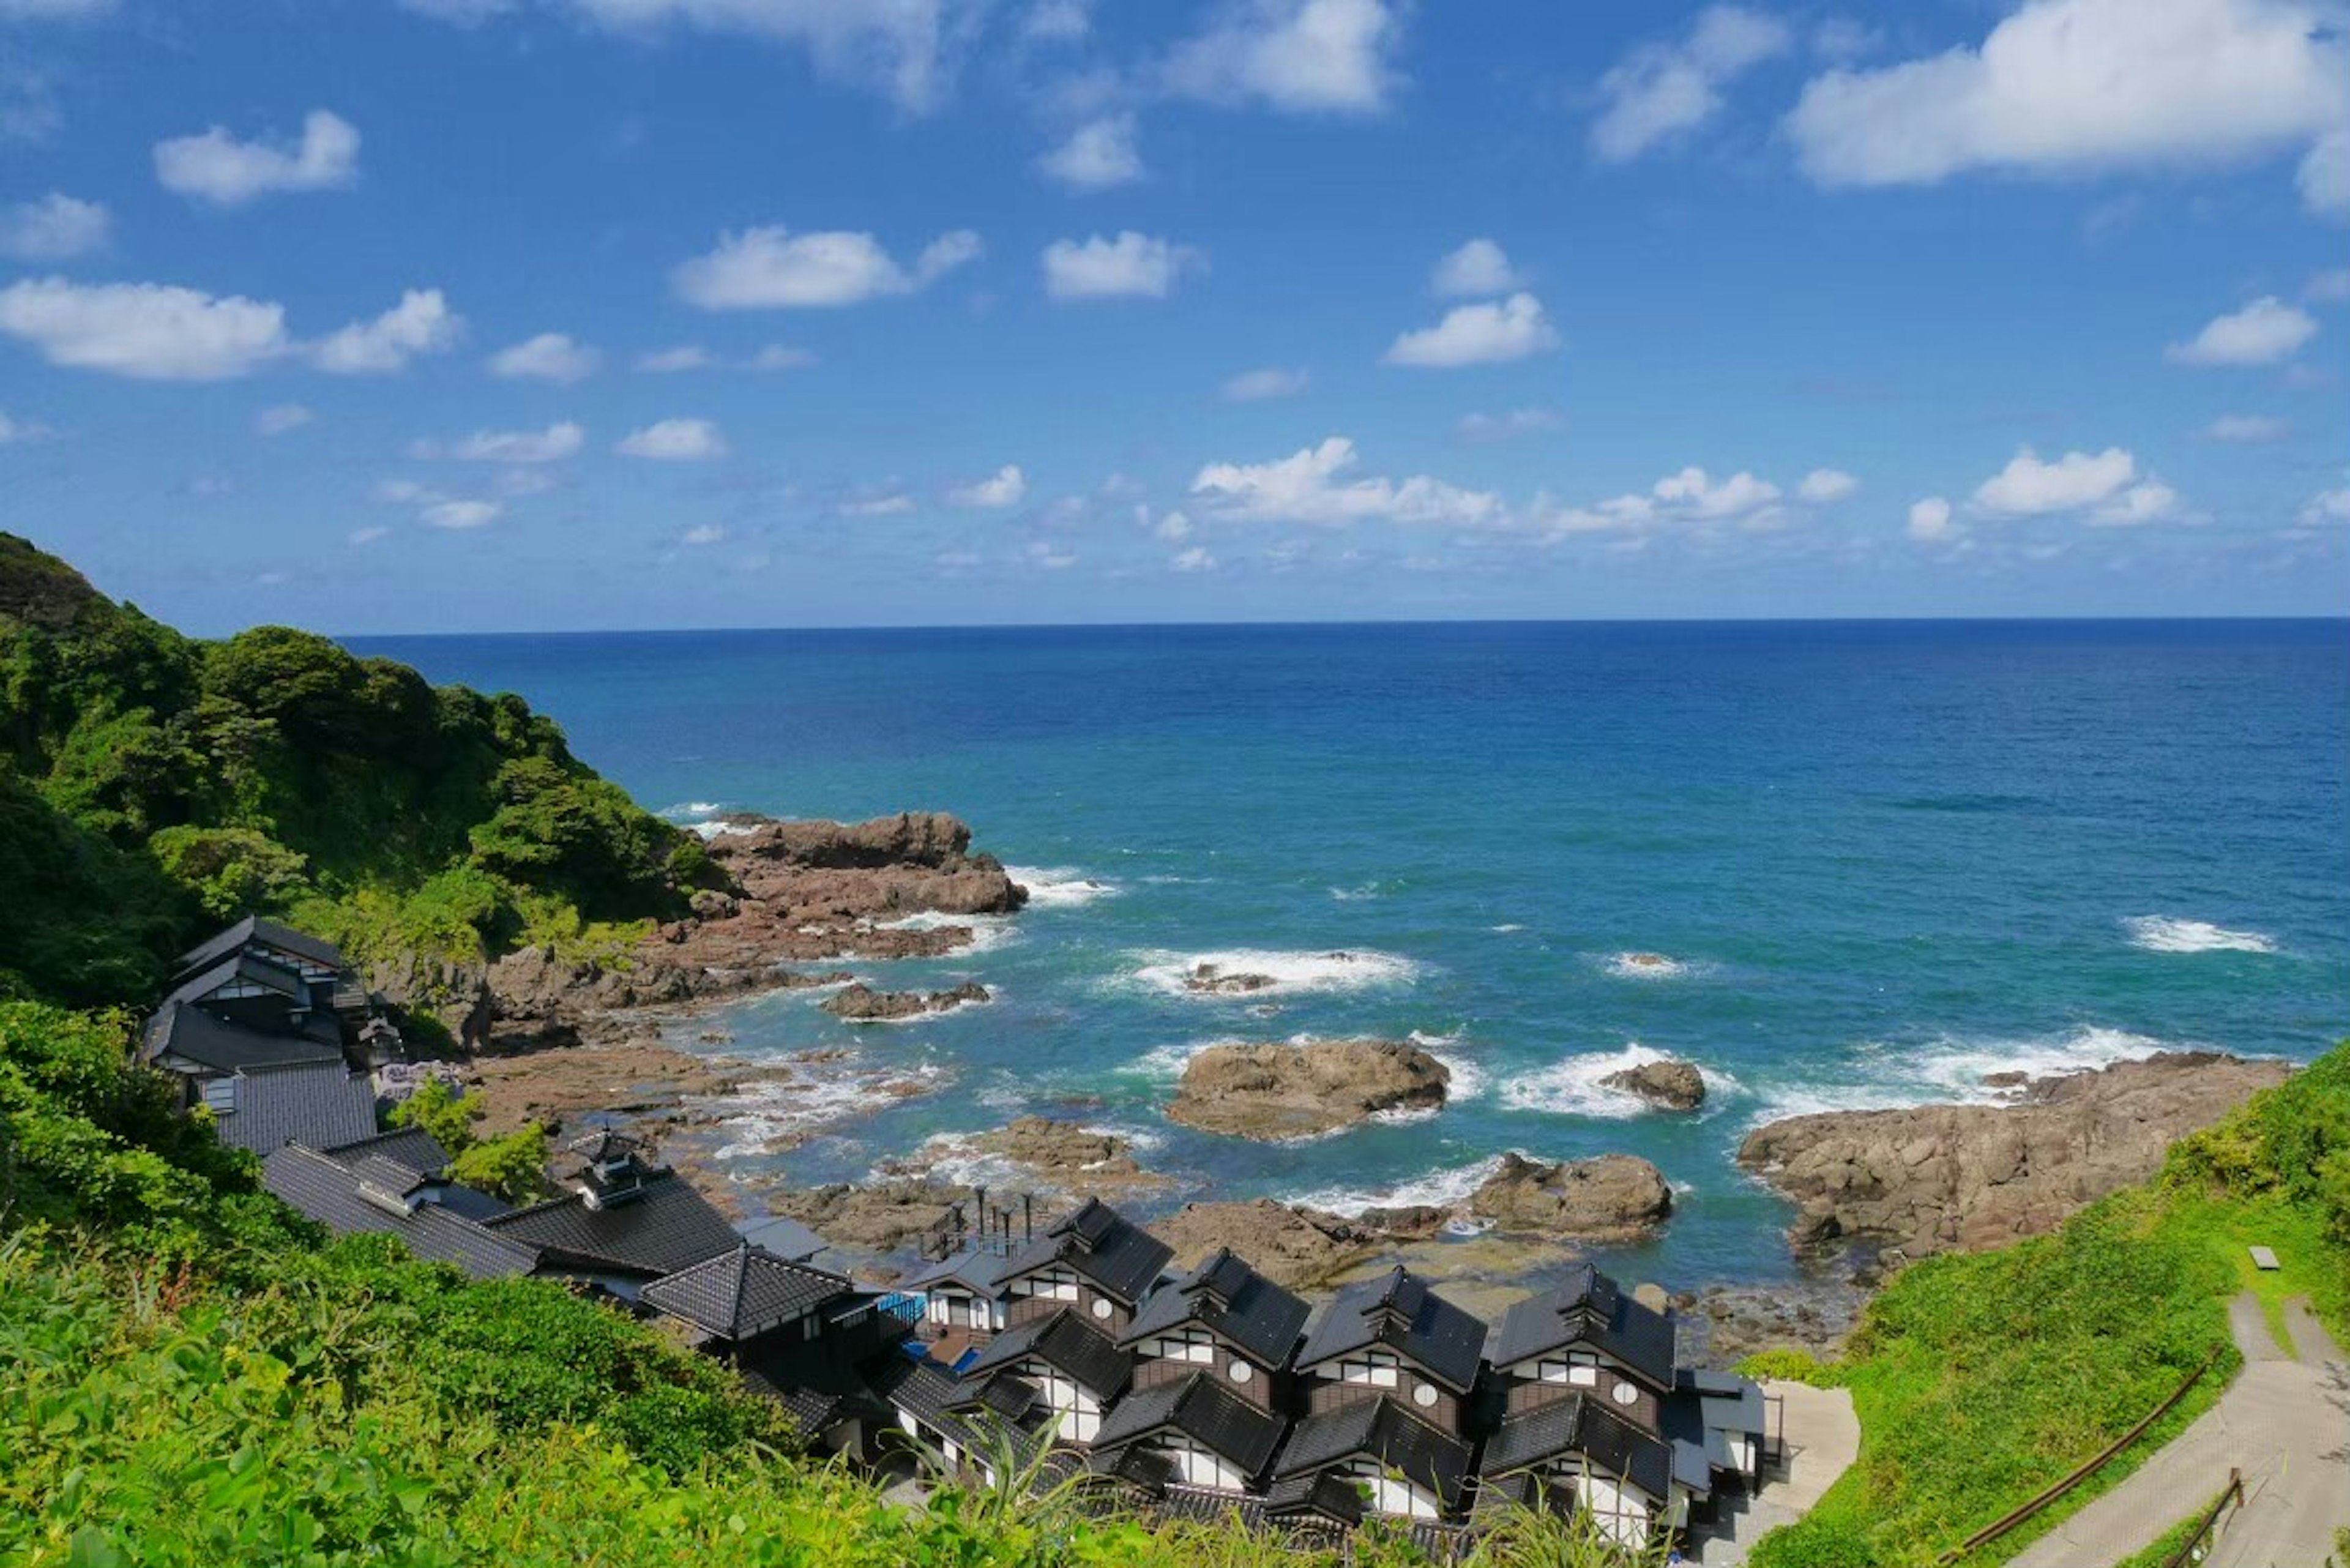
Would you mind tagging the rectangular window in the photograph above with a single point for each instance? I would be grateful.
(1583, 1371)
(220, 1093)
(1372, 1371)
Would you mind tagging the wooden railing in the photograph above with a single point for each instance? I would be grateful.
(2209, 1525)
(2018, 1515)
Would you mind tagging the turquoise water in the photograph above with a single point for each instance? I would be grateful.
(1882, 859)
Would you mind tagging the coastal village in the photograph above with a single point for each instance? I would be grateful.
(1051, 1347)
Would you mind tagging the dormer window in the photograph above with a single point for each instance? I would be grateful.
(1372, 1371)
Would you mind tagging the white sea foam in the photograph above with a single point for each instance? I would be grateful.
(1169, 1061)
(988, 932)
(1288, 971)
(1059, 887)
(1359, 892)
(818, 1096)
(2164, 934)
(1447, 1189)
(1506, 930)
(1649, 966)
(1573, 1087)
(1951, 1069)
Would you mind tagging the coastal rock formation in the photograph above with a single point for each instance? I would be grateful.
(1614, 1197)
(1669, 1085)
(1297, 1248)
(885, 1217)
(1722, 1324)
(862, 1004)
(1936, 1179)
(1271, 1092)
(1209, 980)
(1062, 1149)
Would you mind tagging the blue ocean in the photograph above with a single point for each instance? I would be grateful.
(1834, 865)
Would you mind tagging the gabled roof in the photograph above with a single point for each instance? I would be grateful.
(743, 1293)
(1398, 1311)
(1004, 1394)
(784, 1236)
(314, 1103)
(975, 1272)
(327, 1192)
(1202, 1409)
(667, 1227)
(1093, 1239)
(1383, 1431)
(1065, 1343)
(932, 1396)
(254, 968)
(411, 1146)
(1227, 1297)
(182, 1030)
(1580, 1424)
(1589, 1309)
(264, 933)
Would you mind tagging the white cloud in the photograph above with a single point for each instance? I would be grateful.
(1057, 21)
(703, 533)
(1481, 267)
(1486, 334)
(2249, 428)
(780, 357)
(771, 268)
(1305, 488)
(1098, 154)
(549, 357)
(2332, 287)
(1303, 55)
(1195, 559)
(2327, 506)
(675, 441)
(421, 323)
(2323, 176)
(1689, 496)
(1693, 493)
(1173, 528)
(56, 227)
(1661, 90)
(1827, 484)
(1049, 556)
(216, 167)
(2261, 333)
(1256, 386)
(1930, 520)
(1131, 267)
(360, 537)
(1483, 429)
(1005, 487)
(2028, 487)
(23, 432)
(460, 514)
(553, 444)
(280, 418)
(2149, 502)
(148, 331)
(2066, 87)
(669, 361)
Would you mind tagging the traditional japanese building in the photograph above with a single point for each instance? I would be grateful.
(1076, 1369)
(1393, 1338)
(1092, 1260)
(1225, 1321)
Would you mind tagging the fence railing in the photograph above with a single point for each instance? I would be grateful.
(2191, 1549)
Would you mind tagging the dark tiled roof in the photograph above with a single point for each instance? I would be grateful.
(1204, 1506)
(1065, 1343)
(411, 1146)
(313, 1103)
(921, 1388)
(1385, 1432)
(975, 1272)
(1227, 1297)
(1731, 1403)
(1580, 1424)
(263, 971)
(265, 933)
(1397, 1311)
(784, 1237)
(182, 1029)
(1331, 1496)
(1202, 1409)
(742, 1292)
(1589, 1309)
(1005, 1395)
(1119, 1257)
(666, 1227)
(328, 1192)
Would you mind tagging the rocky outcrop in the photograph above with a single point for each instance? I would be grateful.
(885, 1217)
(1614, 1197)
(1061, 1148)
(1722, 1324)
(862, 1004)
(1271, 1092)
(1210, 979)
(1297, 1248)
(1936, 1179)
(1669, 1085)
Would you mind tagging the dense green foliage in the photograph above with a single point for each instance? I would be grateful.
(151, 784)
(513, 1166)
(1980, 1379)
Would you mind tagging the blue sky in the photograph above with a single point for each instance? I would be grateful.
(456, 314)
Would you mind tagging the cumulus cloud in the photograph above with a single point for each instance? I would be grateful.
(1692, 492)
(458, 514)
(2324, 177)
(1827, 484)
(1307, 487)
(671, 362)
(23, 432)
(1005, 487)
(553, 444)
(1930, 522)
(1486, 334)
(1256, 386)
(1098, 154)
(1330, 57)
(1478, 267)
(2327, 506)
(420, 324)
(217, 168)
(674, 441)
(1131, 267)
(2249, 428)
(56, 227)
(2066, 87)
(549, 357)
(1195, 559)
(2028, 486)
(1483, 429)
(2261, 333)
(1661, 90)
(148, 331)
(280, 418)
(771, 268)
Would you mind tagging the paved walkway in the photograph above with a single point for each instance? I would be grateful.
(2285, 1422)
(1822, 1440)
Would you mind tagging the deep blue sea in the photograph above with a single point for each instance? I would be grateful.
(1879, 859)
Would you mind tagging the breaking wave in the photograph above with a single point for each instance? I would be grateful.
(1059, 887)
(1444, 1189)
(1282, 974)
(1573, 1087)
(2163, 934)
(1951, 1069)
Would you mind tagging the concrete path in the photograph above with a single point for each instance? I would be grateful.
(1823, 1439)
(2285, 1422)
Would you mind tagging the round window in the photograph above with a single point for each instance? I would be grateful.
(1424, 1395)
(1101, 1307)
(1626, 1394)
(1241, 1371)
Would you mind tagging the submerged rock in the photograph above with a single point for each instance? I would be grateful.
(861, 1004)
(1209, 980)
(1936, 1179)
(1614, 1197)
(1273, 1092)
(1669, 1086)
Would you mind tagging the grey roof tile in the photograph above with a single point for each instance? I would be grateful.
(1587, 1308)
(742, 1292)
(313, 1103)
(1202, 1409)
(1121, 1258)
(1065, 1342)
(666, 1227)
(1383, 1431)
(1227, 1297)
(328, 1192)
(1398, 1311)
(265, 933)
